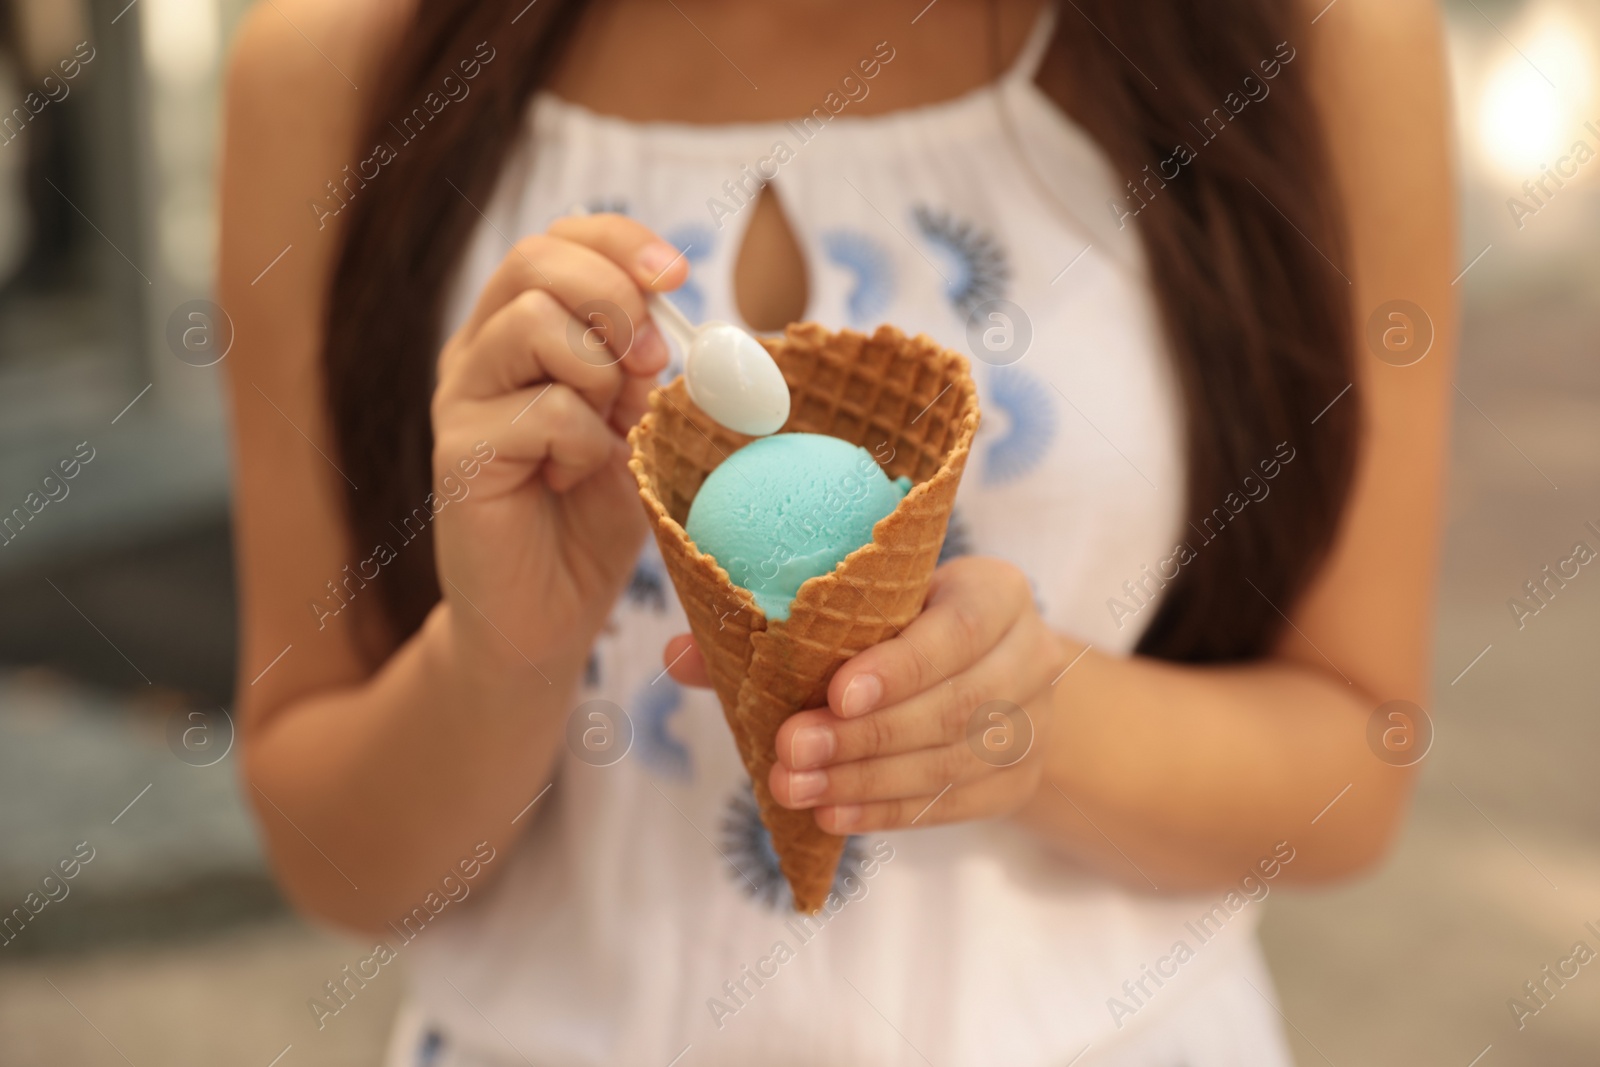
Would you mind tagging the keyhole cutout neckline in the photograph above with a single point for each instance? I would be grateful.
(771, 278)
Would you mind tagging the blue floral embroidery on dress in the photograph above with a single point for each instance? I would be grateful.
(647, 587)
(1026, 428)
(957, 539)
(661, 751)
(696, 242)
(869, 262)
(429, 1047)
(748, 847)
(978, 266)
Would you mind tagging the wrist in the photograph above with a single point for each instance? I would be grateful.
(1068, 660)
(477, 664)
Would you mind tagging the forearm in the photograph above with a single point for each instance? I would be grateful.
(369, 795)
(1176, 777)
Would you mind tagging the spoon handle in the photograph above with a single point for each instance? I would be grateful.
(672, 322)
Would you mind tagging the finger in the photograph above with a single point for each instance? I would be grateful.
(548, 427)
(585, 282)
(971, 603)
(939, 715)
(632, 402)
(913, 774)
(529, 340)
(990, 797)
(685, 663)
(655, 264)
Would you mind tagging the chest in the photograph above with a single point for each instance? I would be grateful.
(719, 62)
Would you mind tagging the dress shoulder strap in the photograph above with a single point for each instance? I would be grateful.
(1026, 66)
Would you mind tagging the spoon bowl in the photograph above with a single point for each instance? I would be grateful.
(730, 376)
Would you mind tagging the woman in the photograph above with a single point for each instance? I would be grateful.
(1195, 544)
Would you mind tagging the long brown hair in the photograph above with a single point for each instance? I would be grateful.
(1241, 246)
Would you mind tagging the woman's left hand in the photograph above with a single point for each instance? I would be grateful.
(945, 722)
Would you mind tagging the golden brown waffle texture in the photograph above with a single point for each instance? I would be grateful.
(912, 405)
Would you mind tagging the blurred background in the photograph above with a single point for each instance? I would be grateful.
(117, 614)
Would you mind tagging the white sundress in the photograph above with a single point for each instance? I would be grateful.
(642, 919)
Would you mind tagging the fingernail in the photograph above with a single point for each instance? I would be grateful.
(806, 786)
(861, 695)
(846, 816)
(811, 746)
(655, 258)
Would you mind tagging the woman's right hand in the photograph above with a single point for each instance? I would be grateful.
(549, 374)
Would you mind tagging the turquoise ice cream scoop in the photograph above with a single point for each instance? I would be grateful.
(790, 507)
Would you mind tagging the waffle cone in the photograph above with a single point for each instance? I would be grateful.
(910, 403)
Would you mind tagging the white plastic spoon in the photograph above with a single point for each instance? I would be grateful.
(730, 376)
